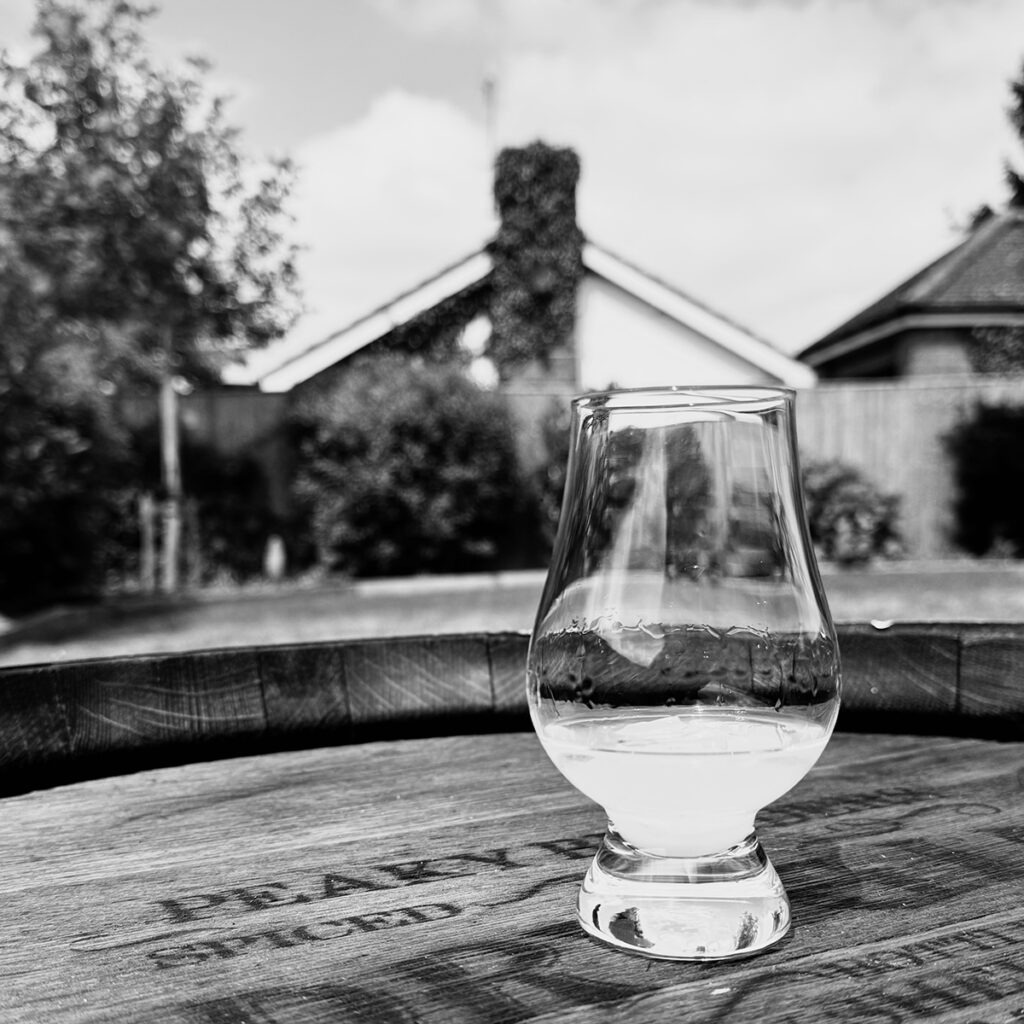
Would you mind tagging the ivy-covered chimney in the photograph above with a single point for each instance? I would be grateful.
(537, 255)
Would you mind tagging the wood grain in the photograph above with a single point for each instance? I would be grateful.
(70, 721)
(433, 881)
(992, 673)
(898, 669)
(304, 693)
(443, 675)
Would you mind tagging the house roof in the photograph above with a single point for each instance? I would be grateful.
(979, 282)
(697, 316)
(294, 369)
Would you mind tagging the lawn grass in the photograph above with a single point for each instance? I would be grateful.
(962, 591)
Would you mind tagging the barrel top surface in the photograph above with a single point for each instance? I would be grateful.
(434, 880)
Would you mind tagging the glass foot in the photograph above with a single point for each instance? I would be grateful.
(684, 908)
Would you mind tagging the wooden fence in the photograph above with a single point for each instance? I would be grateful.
(894, 431)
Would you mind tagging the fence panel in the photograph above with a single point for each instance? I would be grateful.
(893, 431)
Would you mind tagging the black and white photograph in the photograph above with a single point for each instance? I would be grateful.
(511, 511)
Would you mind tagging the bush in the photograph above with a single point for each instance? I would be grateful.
(408, 467)
(549, 478)
(63, 500)
(850, 520)
(988, 470)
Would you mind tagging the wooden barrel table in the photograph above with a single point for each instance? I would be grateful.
(429, 873)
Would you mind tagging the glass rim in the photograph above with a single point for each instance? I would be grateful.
(732, 396)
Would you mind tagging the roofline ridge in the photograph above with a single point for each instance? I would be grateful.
(939, 272)
(913, 289)
(475, 269)
(394, 300)
(668, 286)
(379, 312)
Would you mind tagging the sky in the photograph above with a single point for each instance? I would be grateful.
(785, 162)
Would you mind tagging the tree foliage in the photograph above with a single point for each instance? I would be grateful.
(408, 467)
(64, 503)
(125, 198)
(135, 242)
(997, 350)
(987, 450)
(1000, 349)
(1015, 112)
(537, 255)
(549, 477)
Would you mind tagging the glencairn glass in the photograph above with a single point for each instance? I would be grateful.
(683, 670)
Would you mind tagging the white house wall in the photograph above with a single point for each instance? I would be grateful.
(623, 341)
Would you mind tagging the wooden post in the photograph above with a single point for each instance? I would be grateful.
(193, 549)
(171, 473)
(275, 559)
(147, 543)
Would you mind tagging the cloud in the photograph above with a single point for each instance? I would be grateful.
(785, 161)
(457, 16)
(16, 20)
(385, 202)
(18, 11)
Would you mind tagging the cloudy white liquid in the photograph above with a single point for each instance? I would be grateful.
(688, 782)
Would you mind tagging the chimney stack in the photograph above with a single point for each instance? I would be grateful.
(537, 254)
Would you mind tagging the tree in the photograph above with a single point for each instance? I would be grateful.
(1000, 349)
(1015, 112)
(63, 500)
(136, 246)
(987, 451)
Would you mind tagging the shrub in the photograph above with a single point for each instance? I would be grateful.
(850, 520)
(988, 470)
(549, 478)
(409, 467)
(63, 500)
(997, 350)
